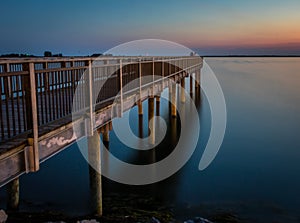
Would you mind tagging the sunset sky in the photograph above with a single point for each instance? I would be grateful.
(210, 27)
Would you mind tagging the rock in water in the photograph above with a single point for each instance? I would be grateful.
(88, 221)
(189, 221)
(154, 220)
(201, 220)
(198, 220)
(3, 216)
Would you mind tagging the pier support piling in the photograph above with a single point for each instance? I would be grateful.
(105, 133)
(173, 100)
(197, 81)
(141, 127)
(191, 84)
(95, 172)
(182, 90)
(13, 194)
(151, 124)
(140, 107)
(157, 105)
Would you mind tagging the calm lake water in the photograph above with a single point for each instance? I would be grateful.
(256, 174)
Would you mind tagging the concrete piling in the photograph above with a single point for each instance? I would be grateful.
(95, 172)
(151, 123)
(182, 90)
(13, 193)
(173, 100)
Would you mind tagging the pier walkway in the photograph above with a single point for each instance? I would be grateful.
(37, 101)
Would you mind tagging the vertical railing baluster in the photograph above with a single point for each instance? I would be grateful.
(6, 92)
(9, 87)
(46, 96)
(69, 94)
(169, 67)
(121, 86)
(52, 96)
(153, 72)
(59, 94)
(27, 97)
(41, 97)
(18, 102)
(12, 101)
(1, 115)
(38, 101)
(23, 97)
(63, 92)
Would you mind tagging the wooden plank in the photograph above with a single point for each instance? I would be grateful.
(12, 166)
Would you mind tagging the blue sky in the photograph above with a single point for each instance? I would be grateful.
(85, 27)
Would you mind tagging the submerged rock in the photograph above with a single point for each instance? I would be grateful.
(55, 222)
(3, 216)
(189, 221)
(201, 220)
(198, 220)
(154, 220)
(88, 221)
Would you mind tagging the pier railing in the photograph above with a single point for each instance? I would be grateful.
(35, 92)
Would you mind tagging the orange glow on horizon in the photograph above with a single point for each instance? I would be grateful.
(247, 33)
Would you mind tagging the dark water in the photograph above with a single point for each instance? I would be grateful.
(256, 174)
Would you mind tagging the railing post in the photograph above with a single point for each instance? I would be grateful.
(162, 72)
(91, 101)
(140, 105)
(89, 98)
(140, 76)
(170, 67)
(32, 151)
(153, 73)
(121, 86)
(162, 67)
(153, 67)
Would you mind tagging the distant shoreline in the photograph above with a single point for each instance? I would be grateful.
(5, 56)
(251, 56)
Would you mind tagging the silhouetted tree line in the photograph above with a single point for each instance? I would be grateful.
(47, 54)
(17, 55)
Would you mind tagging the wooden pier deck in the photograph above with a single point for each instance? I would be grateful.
(37, 100)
